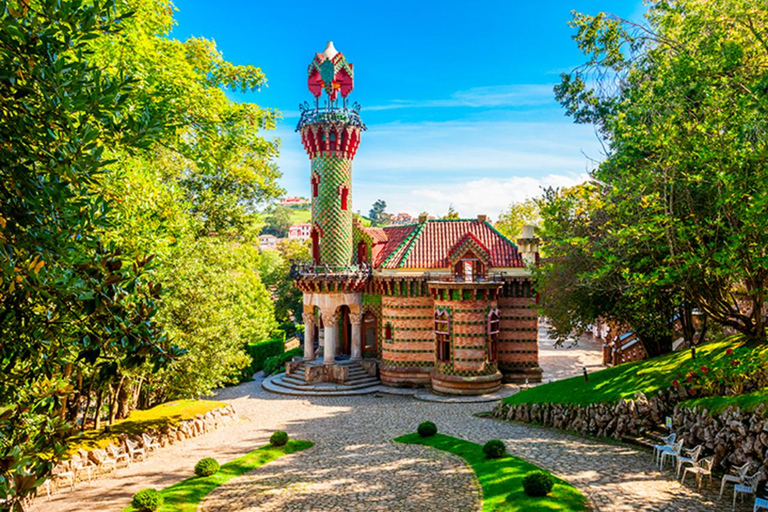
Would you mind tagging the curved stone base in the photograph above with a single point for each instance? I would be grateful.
(404, 377)
(452, 385)
(523, 375)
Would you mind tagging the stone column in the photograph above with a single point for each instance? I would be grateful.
(357, 343)
(309, 336)
(329, 351)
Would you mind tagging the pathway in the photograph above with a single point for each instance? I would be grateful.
(356, 466)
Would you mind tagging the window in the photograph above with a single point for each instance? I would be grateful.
(344, 198)
(315, 247)
(388, 332)
(362, 253)
(493, 335)
(315, 181)
(443, 335)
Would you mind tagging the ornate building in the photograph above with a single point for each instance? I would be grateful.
(441, 303)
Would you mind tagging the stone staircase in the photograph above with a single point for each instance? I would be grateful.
(358, 382)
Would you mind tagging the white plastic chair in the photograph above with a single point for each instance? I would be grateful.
(667, 443)
(701, 469)
(736, 476)
(687, 457)
(103, 462)
(120, 457)
(749, 487)
(670, 452)
(149, 444)
(134, 450)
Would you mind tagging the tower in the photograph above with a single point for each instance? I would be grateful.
(330, 134)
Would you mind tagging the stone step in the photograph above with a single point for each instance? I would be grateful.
(269, 385)
(324, 387)
(294, 380)
(360, 380)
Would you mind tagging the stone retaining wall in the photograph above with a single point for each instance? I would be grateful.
(187, 429)
(735, 437)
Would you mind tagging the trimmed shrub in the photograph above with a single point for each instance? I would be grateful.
(260, 351)
(537, 483)
(279, 438)
(494, 449)
(276, 364)
(207, 467)
(147, 500)
(427, 429)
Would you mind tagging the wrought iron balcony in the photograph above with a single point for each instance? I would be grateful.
(490, 278)
(330, 114)
(308, 270)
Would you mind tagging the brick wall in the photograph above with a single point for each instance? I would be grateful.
(518, 338)
(469, 337)
(413, 338)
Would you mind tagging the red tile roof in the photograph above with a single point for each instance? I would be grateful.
(428, 245)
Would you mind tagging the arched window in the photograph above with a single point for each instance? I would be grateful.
(369, 331)
(344, 198)
(388, 332)
(315, 182)
(315, 246)
(493, 335)
(442, 335)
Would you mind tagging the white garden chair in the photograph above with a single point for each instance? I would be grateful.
(103, 462)
(701, 469)
(61, 472)
(120, 457)
(667, 443)
(134, 450)
(686, 457)
(670, 452)
(149, 444)
(736, 476)
(748, 487)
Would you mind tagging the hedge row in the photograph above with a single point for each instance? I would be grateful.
(260, 351)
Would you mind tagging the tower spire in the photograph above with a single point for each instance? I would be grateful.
(330, 136)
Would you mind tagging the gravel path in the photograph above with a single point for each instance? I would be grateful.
(354, 464)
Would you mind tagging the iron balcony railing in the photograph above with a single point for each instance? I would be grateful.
(308, 270)
(330, 114)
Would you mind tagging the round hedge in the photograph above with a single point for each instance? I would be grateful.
(537, 483)
(427, 429)
(147, 499)
(207, 467)
(494, 449)
(279, 438)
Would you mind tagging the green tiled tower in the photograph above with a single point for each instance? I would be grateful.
(331, 134)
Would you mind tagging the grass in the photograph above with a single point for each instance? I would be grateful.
(622, 381)
(501, 479)
(300, 216)
(185, 496)
(168, 414)
(716, 404)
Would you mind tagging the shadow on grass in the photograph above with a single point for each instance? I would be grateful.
(501, 479)
(185, 496)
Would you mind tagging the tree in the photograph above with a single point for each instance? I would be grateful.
(452, 213)
(512, 220)
(69, 301)
(681, 103)
(288, 298)
(378, 215)
(588, 274)
(277, 220)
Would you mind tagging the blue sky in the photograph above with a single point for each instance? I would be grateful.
(457, 96)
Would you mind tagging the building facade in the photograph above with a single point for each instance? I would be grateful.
(446, 304)
(300, 232)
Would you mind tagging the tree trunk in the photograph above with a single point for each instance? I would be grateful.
(87, 402)
(113, 402)
(97, 415)
(125, 399)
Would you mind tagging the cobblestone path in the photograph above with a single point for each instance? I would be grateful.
(354, 464)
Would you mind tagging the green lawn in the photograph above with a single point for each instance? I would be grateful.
(300, 216)
(501, 479)
(622, 381)
(186, 496)
(171, 413)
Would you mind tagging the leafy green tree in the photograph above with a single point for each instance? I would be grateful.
(452, 213)
(512, 220)
(277, 220)
(682, 103)
(288, 298)
(378, 214)
(69, 301)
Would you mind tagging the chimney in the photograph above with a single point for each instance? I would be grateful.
(423, 218)
(528, 245)
(482, 218)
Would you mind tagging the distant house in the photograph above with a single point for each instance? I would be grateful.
(402, 219)
(267, 242)
(294, 201)
(299, 232)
